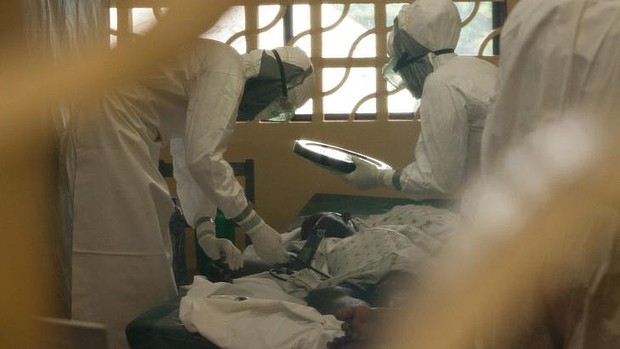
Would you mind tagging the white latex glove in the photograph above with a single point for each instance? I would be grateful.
(267, 242)
(217, 248)
(368, 176)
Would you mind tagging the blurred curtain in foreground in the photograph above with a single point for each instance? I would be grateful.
(27, 190)
(59, 30)
(30, 32)
(40, 44)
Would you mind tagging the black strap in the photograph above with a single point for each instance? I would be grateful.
(282, 75)
(245, 213)
(443, 51)
(406, 59)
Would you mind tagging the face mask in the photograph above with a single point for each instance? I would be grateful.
(391, 75)
(409, 64)
(257, 95)
(392, 70)
(415, 74)
(282, 109)
(410, 72)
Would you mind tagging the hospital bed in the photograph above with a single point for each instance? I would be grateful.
(160, 327)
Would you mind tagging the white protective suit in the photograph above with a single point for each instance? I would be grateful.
(559, 72)
(552, 59)
(454, 103)
(122, 262)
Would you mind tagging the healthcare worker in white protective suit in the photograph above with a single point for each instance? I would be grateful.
(573, 59)
(122, 263)
(455, 94)
(559, 78)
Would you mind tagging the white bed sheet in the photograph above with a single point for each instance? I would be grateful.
(254, 312)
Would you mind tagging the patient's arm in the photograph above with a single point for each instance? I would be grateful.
(359, 322)
(329, 300)
(361, 326)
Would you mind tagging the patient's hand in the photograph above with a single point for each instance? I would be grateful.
(218, 271)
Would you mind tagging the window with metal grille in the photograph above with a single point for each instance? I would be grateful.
(346, 40)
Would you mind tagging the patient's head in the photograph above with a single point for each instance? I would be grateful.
(332, 223)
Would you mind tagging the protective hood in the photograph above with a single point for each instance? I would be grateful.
(264, 85)
(435, 24)
(409, 64)
(256, 66)
(422, 27)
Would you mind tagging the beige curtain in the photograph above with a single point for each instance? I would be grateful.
(30, 91)
(59, 30)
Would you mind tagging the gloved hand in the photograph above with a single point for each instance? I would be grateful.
(368, 176)
(267, 242)
(216, 248)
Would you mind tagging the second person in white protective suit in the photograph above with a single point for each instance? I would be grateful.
(455, 95)
(121, 253)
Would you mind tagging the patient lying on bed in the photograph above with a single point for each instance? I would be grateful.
(360, 306)
(405, 239)
(357, 253)
(371, 261)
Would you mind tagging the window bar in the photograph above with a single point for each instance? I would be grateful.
(288, 24)
(124, 24)
(500, 12)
